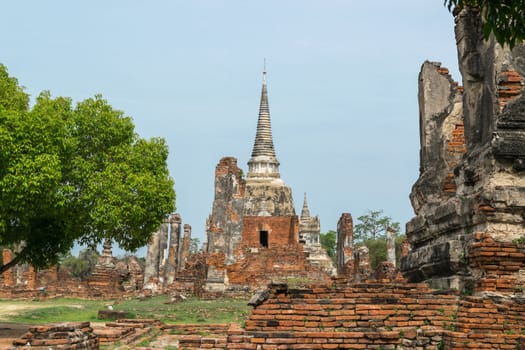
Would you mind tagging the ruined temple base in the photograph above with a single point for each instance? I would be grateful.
(386, 315)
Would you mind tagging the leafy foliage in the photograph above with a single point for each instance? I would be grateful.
(75, 174)
(194, 245)
(81, 266)
(373, 226)
(329, 243)
(377, 250)
(12, 96)
(504, 18)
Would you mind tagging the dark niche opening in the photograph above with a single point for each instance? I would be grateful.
(263, 238)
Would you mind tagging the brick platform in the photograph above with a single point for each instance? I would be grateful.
(381, 316)
(60, 336)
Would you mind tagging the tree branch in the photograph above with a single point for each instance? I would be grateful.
(20, 255)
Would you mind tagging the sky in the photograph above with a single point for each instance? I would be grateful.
(342, 85)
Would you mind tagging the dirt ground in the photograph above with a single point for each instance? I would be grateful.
(10, 331)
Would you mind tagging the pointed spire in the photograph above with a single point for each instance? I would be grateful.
(263, 145)
(305, 213)
(263, 163)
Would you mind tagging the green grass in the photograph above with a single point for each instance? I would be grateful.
(192, 310)
(53, 310)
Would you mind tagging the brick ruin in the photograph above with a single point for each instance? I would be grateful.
(345, 245)
(167, 256)
(253, 234)
(168, 267)
(469, 199)
(467, 240)
(380, 315)
(463, 263)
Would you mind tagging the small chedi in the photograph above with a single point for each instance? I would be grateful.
(469, 199)
(253, 234)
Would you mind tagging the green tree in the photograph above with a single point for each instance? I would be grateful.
(75, 174)
(373, 225)
(504, 18)
(12, 96)
(194, 245)
(329, 243)
(377, 250)
(81, 266)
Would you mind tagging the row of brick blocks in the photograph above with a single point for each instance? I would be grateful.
(376, 316)
(382, 316)
(379, 315)
(501, 262)
(71, 336)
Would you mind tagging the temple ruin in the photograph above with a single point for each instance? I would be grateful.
(167, 254)
(463, 262)
(168, 266)
(471, 187)
(253, 234)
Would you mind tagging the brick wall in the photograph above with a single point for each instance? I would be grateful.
(281, 230)
(67, 336)
(374, 315)
(510, 84)
(261, 266)
(8, 277)
(501, 263)
(456, 148)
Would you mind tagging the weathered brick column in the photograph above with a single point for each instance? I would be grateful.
(185, 249)
(7, 256)
(345, 245)
(173, 248)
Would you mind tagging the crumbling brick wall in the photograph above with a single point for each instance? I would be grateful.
(345, 244)
(67, 336)
(280, 230)
(105, 281)
(224, 225)
(472, 166)
(502, 262)
(261, 266)
(381, 316)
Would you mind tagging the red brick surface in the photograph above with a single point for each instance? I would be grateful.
(456, 147)
(381, 316)
(282, 230)
(510, 84)
(501, 262)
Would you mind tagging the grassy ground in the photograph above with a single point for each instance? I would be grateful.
(192, 310)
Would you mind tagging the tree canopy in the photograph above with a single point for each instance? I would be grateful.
(329, 243)
(504, 18)
(373, 225)
(75, 174)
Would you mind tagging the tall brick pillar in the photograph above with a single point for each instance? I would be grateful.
(151, 269)
(31, 281)
(173, 248)
(391, 246)
(185, 249)
(7, 256)
(362, 268)
(345, 244)
(163, 246)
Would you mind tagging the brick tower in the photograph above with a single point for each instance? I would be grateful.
(253, 230)
(269, 217)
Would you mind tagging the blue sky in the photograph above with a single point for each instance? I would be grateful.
(342, 82)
